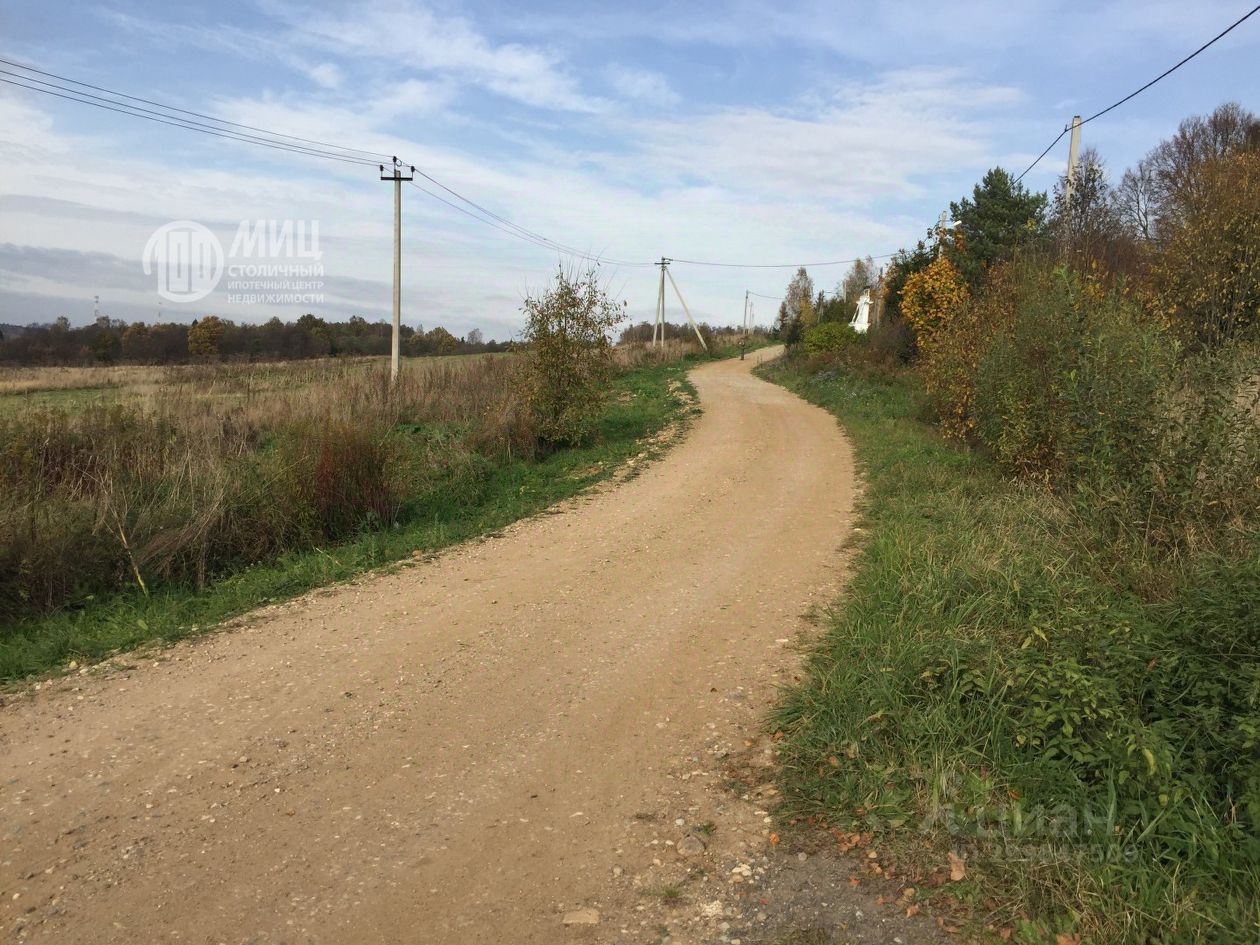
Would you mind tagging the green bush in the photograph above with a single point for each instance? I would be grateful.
(569, 356)
(1083, 392)
(830, 338)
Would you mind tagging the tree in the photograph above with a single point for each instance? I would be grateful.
(1136, 197)
(1000, 216)
(569, 357)
(1088, 225)
(903, 266)
(861, 275)
(796, 311)
(204, 337)
(106, 347)
(475, 337)
(1206, 274)
(1174, 163)
(440, 341)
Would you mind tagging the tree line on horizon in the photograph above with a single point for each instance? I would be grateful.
(109, 341)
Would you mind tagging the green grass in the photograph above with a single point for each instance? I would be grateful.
(994, 683)
(644, 401)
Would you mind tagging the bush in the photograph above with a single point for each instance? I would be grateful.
(951, 363)
(830, 338)
(1080, 390)
(569, 358)
(932, 297)
(890, 341)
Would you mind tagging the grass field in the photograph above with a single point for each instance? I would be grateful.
(460, 477)
(993, 686)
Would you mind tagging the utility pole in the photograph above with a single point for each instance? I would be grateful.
(694, 327)
(395, 345)
(659, 326)
(743, 341)
(1074, 150)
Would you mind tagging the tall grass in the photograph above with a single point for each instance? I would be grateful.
(251, 503)
(217, 470)
(994, 683)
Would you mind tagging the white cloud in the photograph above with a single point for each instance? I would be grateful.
(326, 74)
(641, 85)
(409, 33)
(861, 142)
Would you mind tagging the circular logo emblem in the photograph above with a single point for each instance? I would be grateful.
(187, 258)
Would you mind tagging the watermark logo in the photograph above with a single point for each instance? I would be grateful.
(187, 258)
(268, 262)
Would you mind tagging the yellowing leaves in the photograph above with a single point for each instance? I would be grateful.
(932, 297)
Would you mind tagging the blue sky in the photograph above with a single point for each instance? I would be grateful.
(747, 132)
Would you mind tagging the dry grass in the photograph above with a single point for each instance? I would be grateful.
(184, 474)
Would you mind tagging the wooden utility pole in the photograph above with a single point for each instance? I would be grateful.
(1074, 151)
(395, 344)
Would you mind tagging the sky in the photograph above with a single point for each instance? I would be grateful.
(745, 132)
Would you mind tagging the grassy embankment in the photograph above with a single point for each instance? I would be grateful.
(994, 684)
(459, 477)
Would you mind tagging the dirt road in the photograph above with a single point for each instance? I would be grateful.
(466, 750)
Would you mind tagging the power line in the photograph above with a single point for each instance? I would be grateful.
(536, 240)
(275, 140)
(1134, 94)
(1041, 155)
(526, 233)
(805, 265)
(1163, 75)
(298, 145)
(71, 95)
(171, 108)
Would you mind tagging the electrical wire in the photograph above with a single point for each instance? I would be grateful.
(276, 140)
(171, 108)
(314, 148)
(540, 241)
(1134, 94)
(1163, 75)
(806, 265)
(526, 232)
(72, 96)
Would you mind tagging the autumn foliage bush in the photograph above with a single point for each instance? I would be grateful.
(568, 357)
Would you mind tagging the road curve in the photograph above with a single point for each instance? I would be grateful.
(450, 753)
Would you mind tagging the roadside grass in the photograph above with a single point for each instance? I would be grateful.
(466, 501)
(996, 684)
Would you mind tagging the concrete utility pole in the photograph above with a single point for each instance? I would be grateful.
(1074, 151)
(395, 345)
(694, 327)
(743, 339)
(659, 326)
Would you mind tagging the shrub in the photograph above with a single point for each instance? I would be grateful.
(890, 341)
(569, 357)
(931, 297)
(1082, 391)
(951, 363)
(830, 338)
